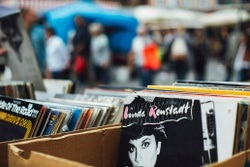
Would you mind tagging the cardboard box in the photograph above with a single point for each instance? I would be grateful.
(92, 147)
(96, 147)
(237, 160)
(4, 145)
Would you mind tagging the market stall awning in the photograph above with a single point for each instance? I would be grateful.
(168, 17)
(172, 17)
(37, 5)
(5, 11)
(225, 17)
(124, 25)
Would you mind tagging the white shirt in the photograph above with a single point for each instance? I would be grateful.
(179, 47)
(239, 62)
(57, 54)
(100, 50)
(138, 45)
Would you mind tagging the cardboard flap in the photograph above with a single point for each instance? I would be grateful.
(97, 147)
(236, 160)
(35, 158)
(110, 147)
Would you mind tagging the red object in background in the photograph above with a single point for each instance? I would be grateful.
(151, 57)
(80, 64)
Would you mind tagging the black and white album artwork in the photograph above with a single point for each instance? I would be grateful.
(161, 131)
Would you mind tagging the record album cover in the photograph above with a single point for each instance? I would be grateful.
(165, 131)
(18, 118)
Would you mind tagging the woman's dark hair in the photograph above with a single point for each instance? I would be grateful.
(50, 30)
(135, 132)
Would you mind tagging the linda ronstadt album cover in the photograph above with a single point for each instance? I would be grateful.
(161, 131)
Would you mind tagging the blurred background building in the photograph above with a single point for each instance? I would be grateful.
(203, 5)
(120, 18)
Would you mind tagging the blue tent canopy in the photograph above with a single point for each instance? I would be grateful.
(62, 20)
(4, 11)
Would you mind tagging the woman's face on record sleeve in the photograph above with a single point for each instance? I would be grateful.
(144, 151)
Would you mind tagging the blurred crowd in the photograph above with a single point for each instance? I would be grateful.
(184, 50)
(87, 59)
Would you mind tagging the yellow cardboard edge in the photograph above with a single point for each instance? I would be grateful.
(209, 91)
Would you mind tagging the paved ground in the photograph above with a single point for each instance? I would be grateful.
(120, 76)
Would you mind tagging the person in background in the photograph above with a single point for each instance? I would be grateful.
(200, 54)
(57, 56)
(233, 45)
(223, 37)
(168, 37)
(180, 53)
(100, 53)
(156, 36)
(36, 34)
(81, 44)
(242, 60)
(167, 41)
(70, 45)
(136, 58)
(3, 51)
